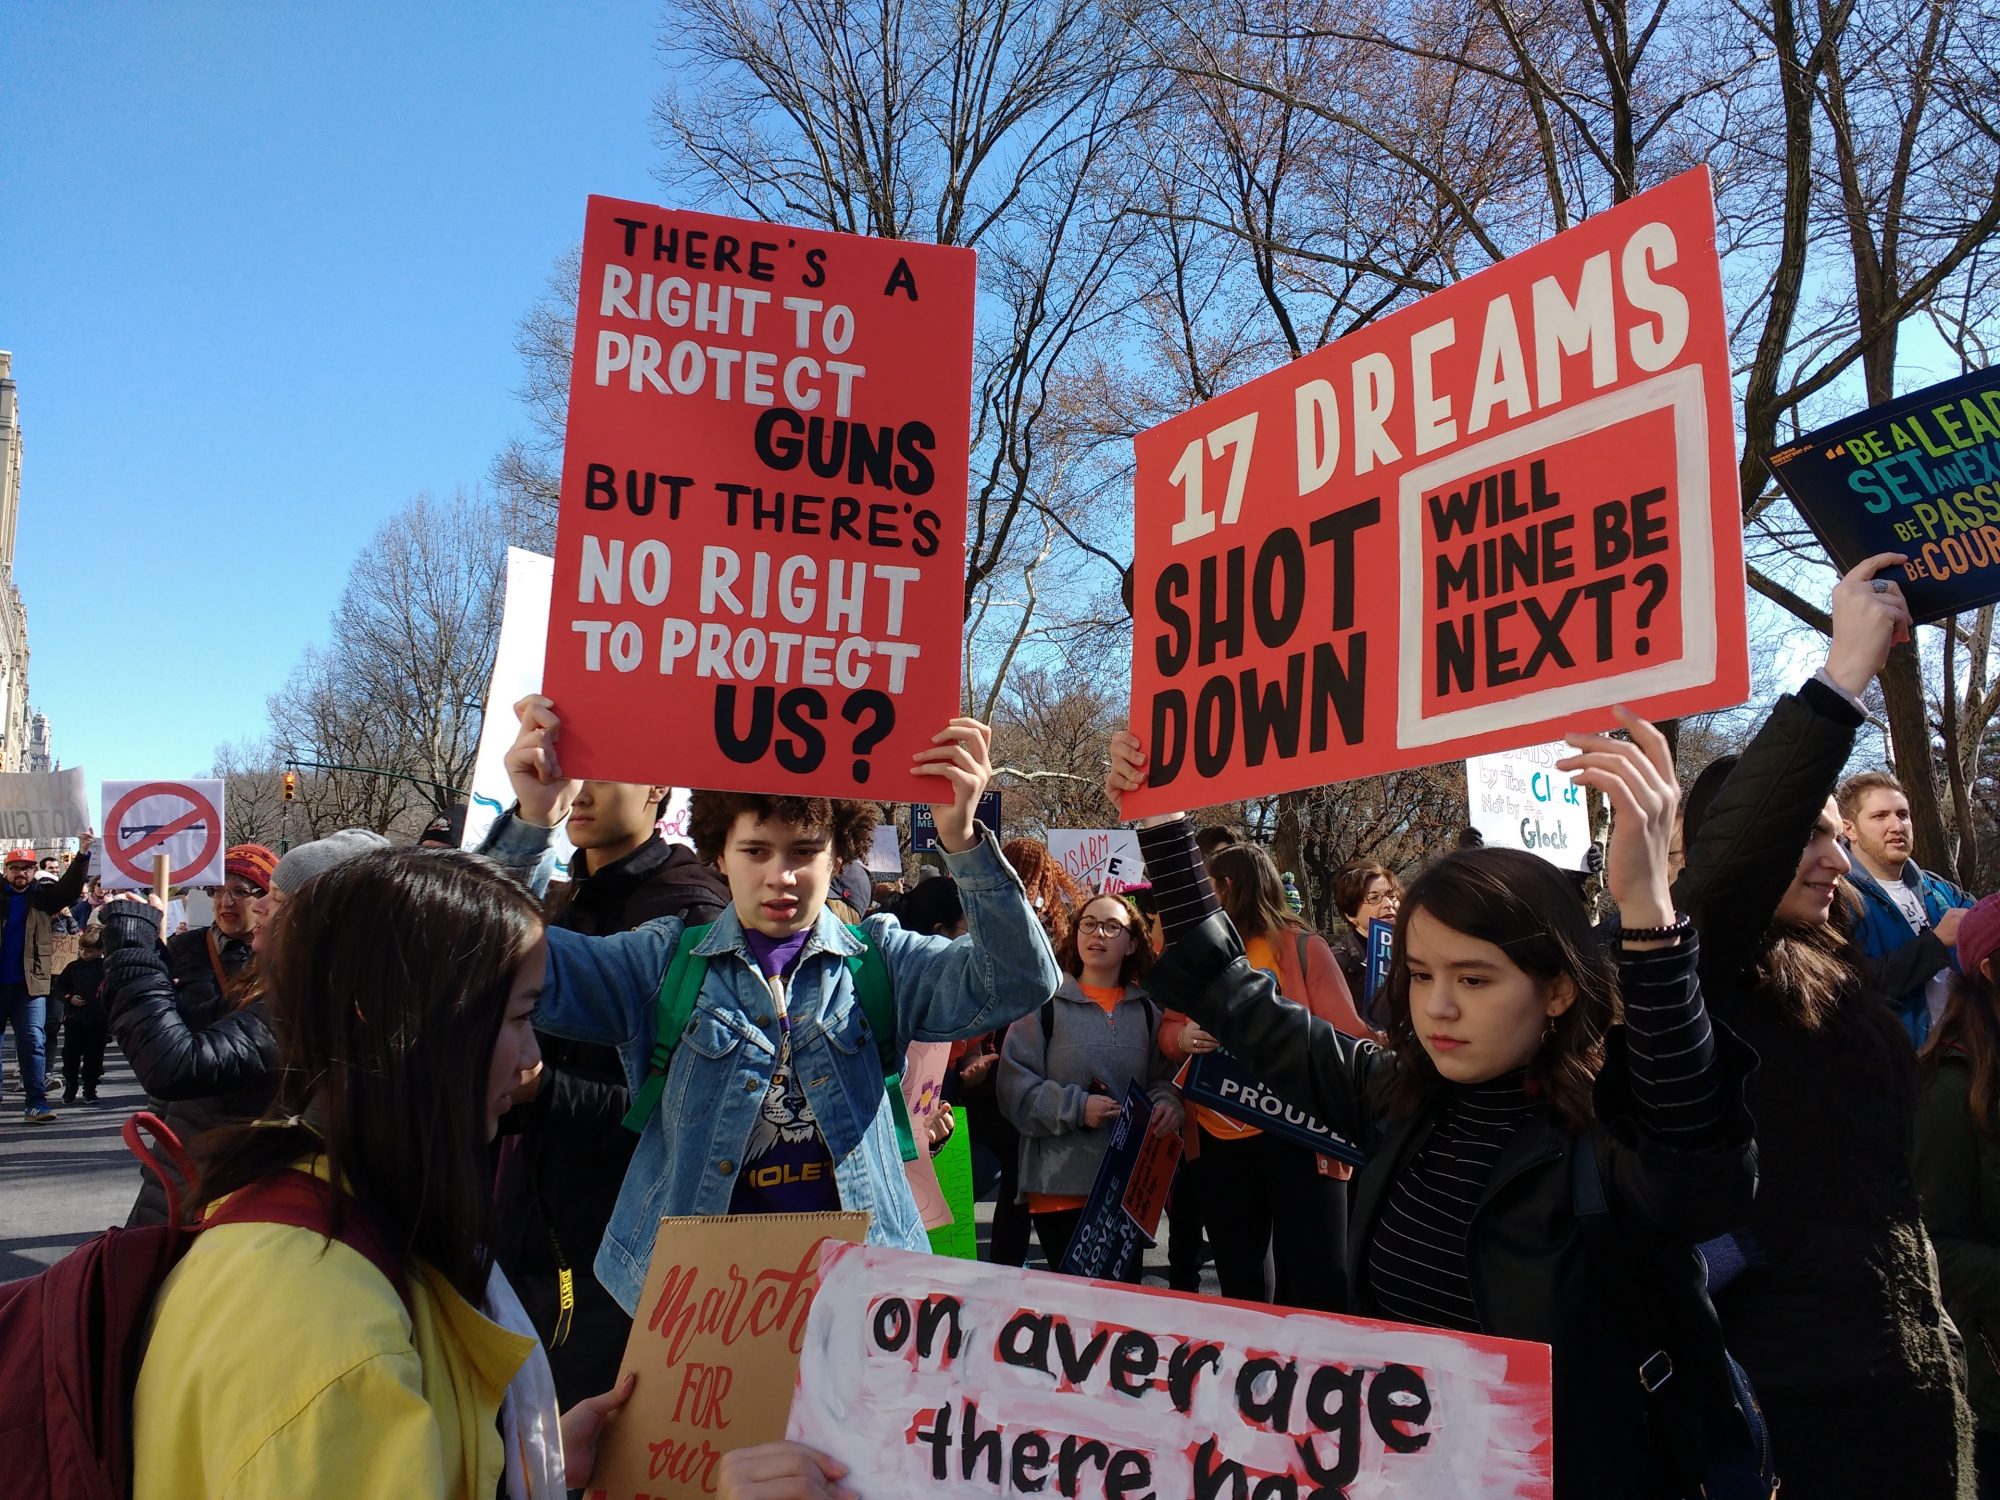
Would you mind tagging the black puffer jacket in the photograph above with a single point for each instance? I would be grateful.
(204, 1059)
(1840, 1328)
(565, 1153)
(1527, 1251)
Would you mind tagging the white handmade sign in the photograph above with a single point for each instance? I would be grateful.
(934, 1377)
(1519, 800)
(1100, 859)
(43, 808)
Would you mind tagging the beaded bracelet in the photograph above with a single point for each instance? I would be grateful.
(1682, 924)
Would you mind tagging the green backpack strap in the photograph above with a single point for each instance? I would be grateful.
(678, 991)
(878, 1004)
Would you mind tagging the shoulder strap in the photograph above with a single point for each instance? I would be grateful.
(679, 989)
(215, 959)
(1048, 1019)
(878, 1004)
(303, 1201)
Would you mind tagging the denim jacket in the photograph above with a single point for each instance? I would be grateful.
(606, 989)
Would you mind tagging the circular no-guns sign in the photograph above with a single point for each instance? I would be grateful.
(131, 847)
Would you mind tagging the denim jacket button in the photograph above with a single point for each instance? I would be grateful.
(749, 1085)
(725, 1167)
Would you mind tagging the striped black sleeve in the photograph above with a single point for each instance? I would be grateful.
(1181, 892)
(1670, 1047)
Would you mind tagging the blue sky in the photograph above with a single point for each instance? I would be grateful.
(260, 268)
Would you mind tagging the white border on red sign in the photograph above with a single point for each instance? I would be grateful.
(1680, 391)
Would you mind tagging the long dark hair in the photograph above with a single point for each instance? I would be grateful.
(1252, 891)
(1812, 973)
(1528, 909)
(1969, 1026)
(387, 979)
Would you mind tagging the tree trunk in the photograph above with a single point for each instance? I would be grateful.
(1910, 743)
(1288, 844)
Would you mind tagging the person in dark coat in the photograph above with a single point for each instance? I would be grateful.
(1503, 1065)
(1958, 1168)
(1837, 1318)
(78, 990)
(565, 1149)
(189, 1016)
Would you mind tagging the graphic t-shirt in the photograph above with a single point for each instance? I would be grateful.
(786, 1166)
(1910, 902)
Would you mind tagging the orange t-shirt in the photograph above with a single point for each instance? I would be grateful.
(1105, 1000)
(1262, 956)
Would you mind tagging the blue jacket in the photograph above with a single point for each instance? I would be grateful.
(606, 989)
(1905, 960)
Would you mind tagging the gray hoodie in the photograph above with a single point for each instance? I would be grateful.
(1044, 1084)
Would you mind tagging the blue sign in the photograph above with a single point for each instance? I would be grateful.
(923, 832)
(1217, 1081)
(1381, 955)
(1107, 1239)
(1919, 475)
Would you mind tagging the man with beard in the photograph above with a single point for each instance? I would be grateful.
(1909, 917)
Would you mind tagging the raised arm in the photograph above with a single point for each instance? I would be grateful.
(1746, 852)
(174, 1060)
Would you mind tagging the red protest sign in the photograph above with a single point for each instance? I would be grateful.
(760, 552)
(1455, 531)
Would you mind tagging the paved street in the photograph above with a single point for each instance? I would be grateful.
(61, 1183)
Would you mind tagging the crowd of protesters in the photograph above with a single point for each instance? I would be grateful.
(1733, 1152)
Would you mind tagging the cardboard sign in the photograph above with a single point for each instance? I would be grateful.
(1103, 861)
(716, 1346)
(181, 819)
(1918, 475)
(931, 1377)
(1226, 1085)
(517, 672)
(923, 826)
(1519, 800)
(885, 855)
(40, 807)
(924, 1065)
(1464, 527)
(760, 548)
(1117, 1223)
(953, 1162)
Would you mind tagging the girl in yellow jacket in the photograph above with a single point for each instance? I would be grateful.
(280, 1362)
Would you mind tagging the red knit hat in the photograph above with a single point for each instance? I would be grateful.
(253, 862)
(1979, 934)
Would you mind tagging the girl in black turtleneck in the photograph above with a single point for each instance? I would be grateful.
(1509, 1103)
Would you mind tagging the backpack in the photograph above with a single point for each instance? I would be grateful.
(82, 1325)
(681, 986)
(1708, 1432)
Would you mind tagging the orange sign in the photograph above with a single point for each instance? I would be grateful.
(1458, 530)
(760, 554)
(716, 1346)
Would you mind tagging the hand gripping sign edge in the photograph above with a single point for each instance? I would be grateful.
(114, 819)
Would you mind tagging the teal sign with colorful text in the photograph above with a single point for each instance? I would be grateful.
(1919, 475)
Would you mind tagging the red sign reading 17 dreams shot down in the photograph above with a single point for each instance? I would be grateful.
(760, 556)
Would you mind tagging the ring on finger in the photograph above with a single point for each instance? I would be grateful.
(1880, 585)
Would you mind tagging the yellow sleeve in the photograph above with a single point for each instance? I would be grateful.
(367, 1432)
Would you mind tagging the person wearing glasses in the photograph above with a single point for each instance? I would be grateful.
(1065, 1068)
(1363, 892)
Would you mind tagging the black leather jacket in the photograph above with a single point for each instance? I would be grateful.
(1527, 1250)
(203, 1059)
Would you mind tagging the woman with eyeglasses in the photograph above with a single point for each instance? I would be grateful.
(1065, 1069)
(1363, 892)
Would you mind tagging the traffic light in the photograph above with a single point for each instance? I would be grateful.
(291, 786)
